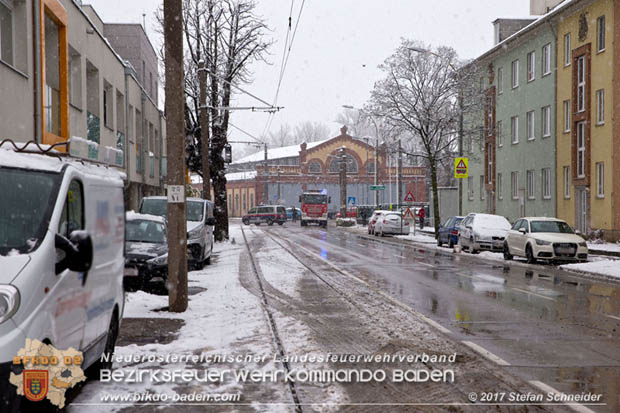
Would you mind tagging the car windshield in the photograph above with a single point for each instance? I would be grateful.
(159, 206)
(195, 210)
(315, 199)
(142, 230)
(558, 227)
(26, 205)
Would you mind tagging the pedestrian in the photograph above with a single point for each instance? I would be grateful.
(294, 214)
(421, 216)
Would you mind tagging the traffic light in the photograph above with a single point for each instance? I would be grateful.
(227, 153)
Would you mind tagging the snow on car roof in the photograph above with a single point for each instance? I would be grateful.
(132, 215)
(491, 221)
(49, 163)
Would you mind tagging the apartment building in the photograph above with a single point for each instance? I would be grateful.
(61, 79)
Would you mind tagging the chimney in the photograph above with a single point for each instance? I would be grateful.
(540, 7)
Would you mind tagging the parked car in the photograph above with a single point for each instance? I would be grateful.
(483, 232)
(200, 225)
(289, 214)
(265, 214)
(146, 251)
(391, 222)
(448, 232)
(62, 231)
(547, 239)
(373, 220)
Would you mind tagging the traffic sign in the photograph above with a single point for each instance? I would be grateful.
(176, 194)
(351, 200)
(377, 187)
(461, 167)
(408, 214)
(409, 197)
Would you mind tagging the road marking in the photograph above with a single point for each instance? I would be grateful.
(548, 389)
(537, 295)
(486, 353)
(399, 256)
(612, 316)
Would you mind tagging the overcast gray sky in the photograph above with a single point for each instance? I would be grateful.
(338, 46)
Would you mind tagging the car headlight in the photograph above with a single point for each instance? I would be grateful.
(9, 302)
(583, 244)
(161, 260)
(195, 233)
(541, 242)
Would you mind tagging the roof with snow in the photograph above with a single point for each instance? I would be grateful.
(278, 153)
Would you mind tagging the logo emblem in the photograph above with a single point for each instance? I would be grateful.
(36, 384)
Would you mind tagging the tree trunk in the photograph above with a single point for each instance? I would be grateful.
(218, 177)
(436, 217)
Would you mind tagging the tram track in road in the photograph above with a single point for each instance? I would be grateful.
(307, 255)
(274, 328)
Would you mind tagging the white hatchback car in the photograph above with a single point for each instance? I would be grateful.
(548, 239)
(391, 222)
(483, 232)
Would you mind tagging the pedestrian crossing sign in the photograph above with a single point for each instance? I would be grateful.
(461, 166)
(408, 215)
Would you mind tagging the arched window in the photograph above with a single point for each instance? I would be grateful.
(314, 167)
(334, 165)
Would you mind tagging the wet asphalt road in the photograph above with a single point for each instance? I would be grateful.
(548, 325)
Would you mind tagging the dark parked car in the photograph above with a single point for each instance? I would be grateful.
(146, 251)
(449, 232)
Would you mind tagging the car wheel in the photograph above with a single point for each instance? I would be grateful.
(280, 223)
(507, 255)
(269, 221)
(472, 250)
(450, 243)
(530, 255)
(246, 222)
(439, 243)
(110, 343)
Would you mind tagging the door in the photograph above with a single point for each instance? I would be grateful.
(582, 211)
(70, 298)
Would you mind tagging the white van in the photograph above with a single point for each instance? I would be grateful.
(62, 229)
(200, 225)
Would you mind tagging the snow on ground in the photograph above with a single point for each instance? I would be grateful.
(604, 246)
(606, 267)
(280, 269)
(223, 319)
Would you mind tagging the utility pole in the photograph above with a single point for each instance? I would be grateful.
(204, 132)
(343, 182)
(266, 184)
(399, 176)
(177, 226)
(460, 146)
(376, 171)
(279, 171)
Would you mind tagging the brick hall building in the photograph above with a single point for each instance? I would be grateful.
(293, 169)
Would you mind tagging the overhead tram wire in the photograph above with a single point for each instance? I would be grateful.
(287, 53)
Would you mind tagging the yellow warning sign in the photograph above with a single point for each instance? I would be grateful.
(461, 166)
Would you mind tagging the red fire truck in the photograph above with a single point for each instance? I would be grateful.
(314, 207)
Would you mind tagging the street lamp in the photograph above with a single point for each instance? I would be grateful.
(370, 116)
(460, 98)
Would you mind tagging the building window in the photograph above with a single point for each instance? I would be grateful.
(600, 106)
(108, 104)
(515, 74)
(581, 149)
(55, 80)
(500, 80)
(600, 180)
(546, 59)
(315, 167)
(75, 78)
(120, 127)
(514, 184)
(546, 121)
(251, 200)
(500, 134)
(600, 33)
(546, 183)
(482, 190)
(370, 167)
(567, 49)
(92, 101)
(334, 165)
(567, 116)
(531, 64)
(514, 129)
(470, 188)
(581, 83)
(6, 33)
(490, 163)
(567, 182)
(531, 185)
(245, 202)
(500, 186)
(529, 120)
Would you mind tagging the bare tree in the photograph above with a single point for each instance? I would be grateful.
(311, 132)
(229, 37)
(281, 137)
(420, 96)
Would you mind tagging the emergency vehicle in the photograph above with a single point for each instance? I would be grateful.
(314, 207)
